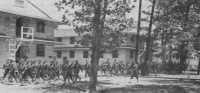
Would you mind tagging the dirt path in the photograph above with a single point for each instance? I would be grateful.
(115, 84)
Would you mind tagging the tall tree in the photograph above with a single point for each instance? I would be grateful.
(144, 69)
(177, 20)
(138, 31)
(104, 20)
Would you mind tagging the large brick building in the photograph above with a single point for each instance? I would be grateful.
(19, 17)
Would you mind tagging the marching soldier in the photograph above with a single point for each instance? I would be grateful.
(55, 68)
(39, 67)
(134, 71)
(65, 60)
(13, 70)
(20, 69)
(121, 67)
(6, 68)
(107, 66)
(76, 69)
(87, 68)
(27, 71)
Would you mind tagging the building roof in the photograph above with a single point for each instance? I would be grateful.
(65, 31)
(49, 7)
(29, 9)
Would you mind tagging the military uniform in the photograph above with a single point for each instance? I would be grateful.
(6, 68)
(134, 71)
(76, 70)
(87, 69)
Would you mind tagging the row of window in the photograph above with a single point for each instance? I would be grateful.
(115, 54)
(72, 54)
(72, 40)
(40, 52)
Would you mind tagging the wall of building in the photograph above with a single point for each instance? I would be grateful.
(49, 30)
(66, 40)
(3, 51)
(78, 56)
(124, 53)
(7, 24)
(124, 56)
(8, 27)
(48, 52)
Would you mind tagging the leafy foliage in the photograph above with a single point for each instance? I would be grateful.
(103, 20)
(80, 15)
(176, 23)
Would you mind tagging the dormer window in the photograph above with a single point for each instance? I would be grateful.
(72, 40)
(19, 3)
(40, 26)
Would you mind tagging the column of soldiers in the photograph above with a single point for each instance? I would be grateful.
(120, 68)
(26, 69)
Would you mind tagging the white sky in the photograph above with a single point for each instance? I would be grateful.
(49, 7)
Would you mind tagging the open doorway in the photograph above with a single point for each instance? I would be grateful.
(19, 24)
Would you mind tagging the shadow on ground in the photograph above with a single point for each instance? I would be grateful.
(168, 86)
(149, 89)
(79, 87)
(176, 81)
(163, 86)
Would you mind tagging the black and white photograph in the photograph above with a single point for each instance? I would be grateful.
(99, 46)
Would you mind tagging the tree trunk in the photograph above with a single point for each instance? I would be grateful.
(183, 52)
(198, 69)
(94, 69)
(138, 31)
(144, 70)
(163, 42)
(96, 45)
(183, 56)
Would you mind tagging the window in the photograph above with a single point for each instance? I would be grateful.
(59, 39)
(59, 54)
(131, 53)
(71, 54)
(19, 24)
(85, 54)
(40, 50)
(115, 54)
(19, 3)
(40, 26)
(72, 40)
